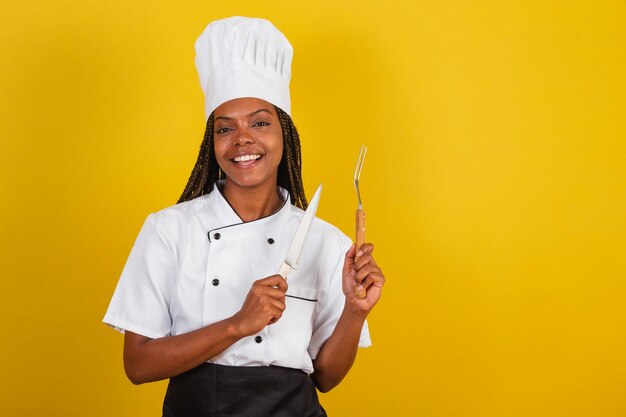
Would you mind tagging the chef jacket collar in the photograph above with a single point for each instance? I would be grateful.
(234, 227)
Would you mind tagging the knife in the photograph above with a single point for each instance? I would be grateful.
(292, 259)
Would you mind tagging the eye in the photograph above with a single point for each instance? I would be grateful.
(261, 124)
(222, 130)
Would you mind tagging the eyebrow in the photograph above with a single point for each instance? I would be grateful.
(249, 115)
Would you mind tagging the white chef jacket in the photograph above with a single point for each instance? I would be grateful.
(194, 263)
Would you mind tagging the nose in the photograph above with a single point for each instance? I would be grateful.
(243, 137)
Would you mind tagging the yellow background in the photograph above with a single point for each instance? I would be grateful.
(495, 191)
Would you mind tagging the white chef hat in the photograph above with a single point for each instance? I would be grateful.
(243, 57)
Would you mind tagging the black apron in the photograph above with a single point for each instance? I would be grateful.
(248, 391)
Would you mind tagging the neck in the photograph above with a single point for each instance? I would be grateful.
(252, 203)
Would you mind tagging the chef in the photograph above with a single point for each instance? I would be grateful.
(199, 299)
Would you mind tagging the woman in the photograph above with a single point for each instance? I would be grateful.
(199, 300)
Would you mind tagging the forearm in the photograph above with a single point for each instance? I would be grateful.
(337, 355)
(147, 360)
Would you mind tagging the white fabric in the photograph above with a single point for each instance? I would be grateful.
(166, 287)
(243, 57)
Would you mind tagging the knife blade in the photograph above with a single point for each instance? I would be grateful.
(292, 259)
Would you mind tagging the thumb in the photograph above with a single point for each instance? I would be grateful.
(348, 263)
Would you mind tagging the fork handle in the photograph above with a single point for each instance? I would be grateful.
(360, 239)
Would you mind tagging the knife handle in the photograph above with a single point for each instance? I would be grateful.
(284, 270)
(360, 239)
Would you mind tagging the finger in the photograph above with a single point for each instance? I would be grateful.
(261, 292)
(364, 260)
(275, 294)
(273, 281)
(371, 287)
(365, 248)
(278, 305)
(277, 312)
(275, 318)
(362, 273)
(367, 276)
(373, 279)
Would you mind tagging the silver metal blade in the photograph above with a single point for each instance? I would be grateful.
(293, 254)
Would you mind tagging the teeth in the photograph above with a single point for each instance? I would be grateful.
(247, 158)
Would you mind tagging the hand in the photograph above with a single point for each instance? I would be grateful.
(363, 273)
(264, 305)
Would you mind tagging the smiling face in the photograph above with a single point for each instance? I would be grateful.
(248, 142)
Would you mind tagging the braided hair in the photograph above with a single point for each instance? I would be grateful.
(206, 171)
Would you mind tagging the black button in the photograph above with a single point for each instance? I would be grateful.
(217, 236)
(270, 240)
(258, 339)
(216, 282)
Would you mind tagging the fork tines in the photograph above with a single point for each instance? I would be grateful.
(357, 172)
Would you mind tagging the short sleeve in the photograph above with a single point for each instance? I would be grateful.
(140, 302)
(330, 306)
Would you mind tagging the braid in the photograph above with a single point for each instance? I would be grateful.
(206, 171)
(290, 167)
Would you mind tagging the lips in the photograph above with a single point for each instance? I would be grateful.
(247, 160)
